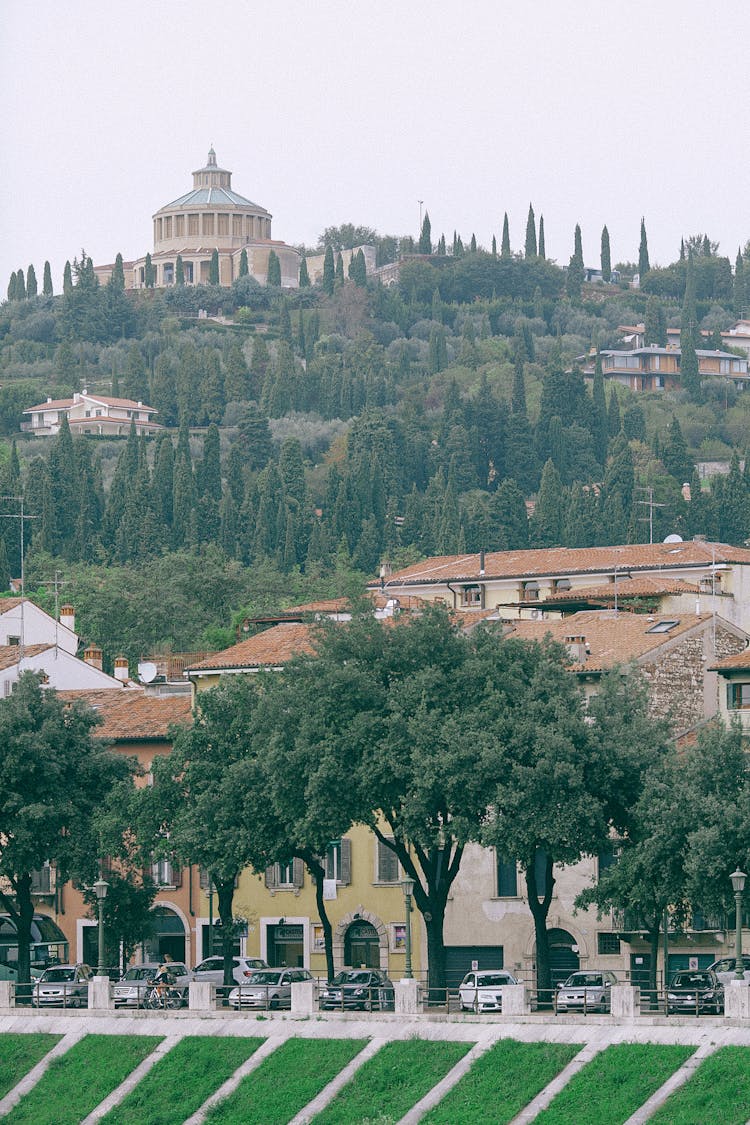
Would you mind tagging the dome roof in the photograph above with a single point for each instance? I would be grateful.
(212, 187)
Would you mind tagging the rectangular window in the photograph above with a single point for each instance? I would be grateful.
(606, 859)
(387, 863)
(208, 224)
(607, 944)
(507, 878)
(285, 874)
(237, 226)
(158, 230)
(14, 640)
(471, 595)
(738, 697)
(179, 226)
(165, 874)
(223, 224)
(338, 860)
(193, 224)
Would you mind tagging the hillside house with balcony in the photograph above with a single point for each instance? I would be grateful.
(658, 369)
(91, 414)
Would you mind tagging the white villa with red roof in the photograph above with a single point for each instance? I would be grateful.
(91, 414)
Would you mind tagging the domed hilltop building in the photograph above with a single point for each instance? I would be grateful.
(210, 217)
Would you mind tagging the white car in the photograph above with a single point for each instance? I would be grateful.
(269, 988)
(725, 968)
(480, 990)
(243, 968)
(62, 986)
(589, 991)
(131, 990)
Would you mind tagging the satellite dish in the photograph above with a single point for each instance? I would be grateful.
(673, 539)
(147, 671)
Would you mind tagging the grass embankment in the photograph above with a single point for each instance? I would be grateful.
(19, 1053)
(179, 1083)
(501, 1082)
(718, 1091)
(77, 1081)
(614, 1084)
(392, 1081)
(286, 1081)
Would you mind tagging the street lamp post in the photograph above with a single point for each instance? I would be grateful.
(738, 883)
(407, 886)
(101, 886)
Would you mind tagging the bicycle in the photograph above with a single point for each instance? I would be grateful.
(162, 995)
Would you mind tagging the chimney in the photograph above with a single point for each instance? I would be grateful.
(577, 648)
(68, 617)
(122, 672)
(481, 562)
(93, 655)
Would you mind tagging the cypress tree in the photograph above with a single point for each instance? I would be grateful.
(643, 262)
(689, 337)
(441, 245)
(20, 286)
(117, 280)
(542, 249)
(546, 524)
(682, 249)
(473, 244)
(614, 424)
(149, 273)
(530, 245)
(505, 240)
(600, 427)
(243, 271)
(304, 276)
(740, 284)
(359, 269)
(31, 286)
(301, 342)
(518, 396)
(329, 276)
(339, 270)
(674, 454)
(575, 275)
(689, 368)
(494, 247)
(213, 269)
(179, 271)
(605, 258)
(12, 284)
(47, 280)
(67, 280)
(424, 245)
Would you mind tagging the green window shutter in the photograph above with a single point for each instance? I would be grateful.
(298, 871)
(346, 861)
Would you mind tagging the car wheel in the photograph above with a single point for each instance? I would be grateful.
(273, 1004)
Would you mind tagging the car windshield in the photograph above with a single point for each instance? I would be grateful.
(584, 980)
(352, 977)
(490, 980)
(58, 975)
(266, 978)
(691, 980)
(140, 972)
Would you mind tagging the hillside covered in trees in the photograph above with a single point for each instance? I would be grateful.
(311, 433)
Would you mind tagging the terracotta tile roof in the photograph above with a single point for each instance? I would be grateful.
(11, 654)
(329, 605)
(610, 638)
(11, 603)
(644, 586)
(561, 561)
(55, 404)
(267, 649)
(740, 661)
(133, 715)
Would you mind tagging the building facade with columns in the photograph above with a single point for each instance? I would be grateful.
(210, 217)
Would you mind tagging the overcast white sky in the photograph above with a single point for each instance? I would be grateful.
(329, 111)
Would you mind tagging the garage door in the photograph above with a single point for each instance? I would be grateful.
(458, 960)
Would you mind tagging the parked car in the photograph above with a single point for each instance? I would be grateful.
(212, 969)
(694, 991)
(131, 990)
(589, 990)
(63, 986)
(725, 966)
(269, 988)
(480, 991)
(367, 989)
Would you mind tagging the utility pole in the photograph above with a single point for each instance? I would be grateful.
(650, 504)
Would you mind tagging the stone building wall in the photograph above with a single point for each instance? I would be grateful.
(679, 683)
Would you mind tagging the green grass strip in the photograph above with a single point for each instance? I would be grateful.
(501, 1082)
(77, 1081)
(19, 1053)
(614, 1084)
(719, 1090)
(179, 1083)
(392, 1081)
(286, 1081)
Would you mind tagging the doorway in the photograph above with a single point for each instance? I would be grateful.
(285, 946)
(362, 946)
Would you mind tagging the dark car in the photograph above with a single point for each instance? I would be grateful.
(694, 991)
(366, 989)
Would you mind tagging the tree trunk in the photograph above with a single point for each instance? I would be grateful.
(539, 912)
(225, 894)
(434, 920)
(654, 933)
(318, 873)
(20, 908)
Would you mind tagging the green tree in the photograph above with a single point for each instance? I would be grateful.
(179, 271)
(12, 286)
(274, 269)
(213, 269)
(67, 279)
(546, 524)
(542, 248)
(243, 270)
(339, 273)
(674, 453)
(424, 246)
(643, 262)
(47, 281)
(530, 244)
(359, 269)
(31, 286)
(127, 915)
(575, 275)
(605, 256)
(20, 286)
(56, 777)
(149, 272)
(505, 241)
(304, 276)
(329, 273)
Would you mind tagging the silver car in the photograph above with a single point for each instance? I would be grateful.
(586, 991)
(269, 988)
(62, 986)
(243, 969)
(725, 968)
(480, 990)
(132, 989)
